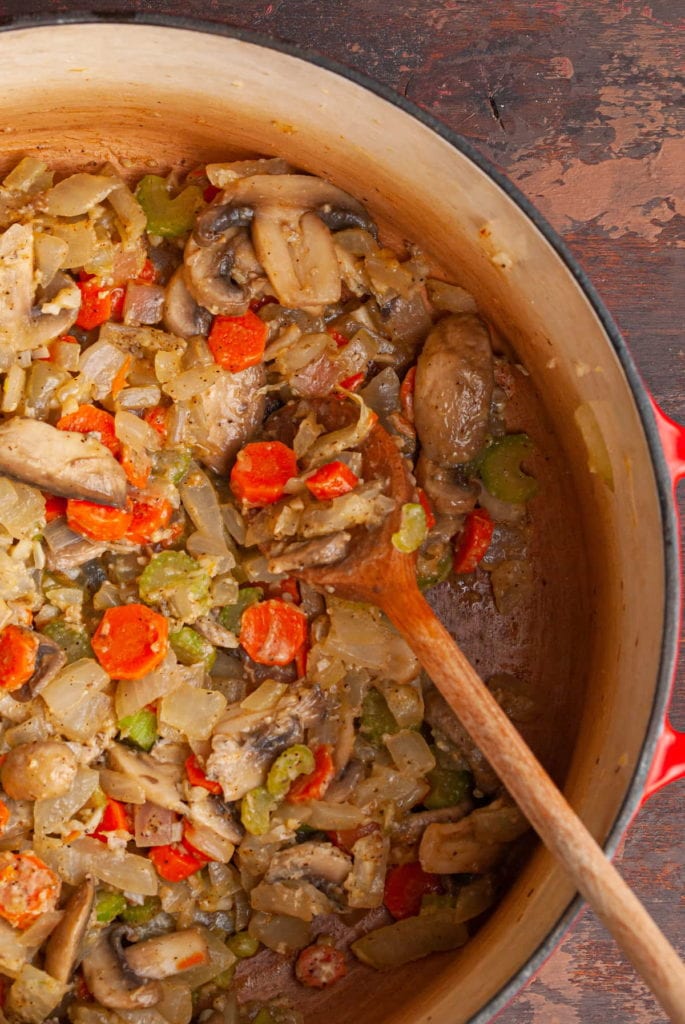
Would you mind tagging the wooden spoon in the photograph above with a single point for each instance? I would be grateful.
(376, 572)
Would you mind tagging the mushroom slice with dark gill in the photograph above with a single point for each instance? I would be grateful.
(222, 418)
(322, 864)
(61, 462)
(182, 314)
(166, 956)
(63, 948)
(305, 554)
(109, 982)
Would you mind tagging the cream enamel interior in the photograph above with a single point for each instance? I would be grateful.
(78, 94)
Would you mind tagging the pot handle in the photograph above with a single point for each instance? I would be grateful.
(669, 757)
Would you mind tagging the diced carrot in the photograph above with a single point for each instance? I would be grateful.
(137, 468)
(88, 419)
(156, 417)
(131, 640)
(407, 394)
(426, 506)
(314, 785)
(174, 863)
(261, 471)
(18, 652)
(55, 507)
(28, 888)
(119, 382)
(195, 959)
(405, 887)
(98, 303)
(353, 382)
(320, 965)
(337, 337)
(115, 818)
(99, 522)
(4, 816)
(147, 517)
(64, 339)
(474, 540)
(331, 481)
(237, 342)
(197, 777)
(273, 632)
(347, 837)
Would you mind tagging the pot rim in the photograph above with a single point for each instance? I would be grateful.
(664, 481)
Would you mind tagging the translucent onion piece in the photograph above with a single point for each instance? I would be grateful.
(22, 509)
(134, 694)
(100, 364)
(77, 194)
(410, 752)
(34, 995)
(281, 933)
(50, 815)
(192, 382)
(192, 710)
(326, 447)
(13, 954)
(125, 871)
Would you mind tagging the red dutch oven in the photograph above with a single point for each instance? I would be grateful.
(598, 639)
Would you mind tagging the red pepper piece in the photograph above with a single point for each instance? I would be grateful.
(353, 382)
(314, 785)
(331, 481)
(405, 887)
(426, 506)
(115, 818)
(196, 776)
(474, 540)
(407, 394)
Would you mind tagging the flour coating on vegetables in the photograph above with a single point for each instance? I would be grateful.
(204, 758)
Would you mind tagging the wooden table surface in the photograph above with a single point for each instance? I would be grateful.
(577, 101)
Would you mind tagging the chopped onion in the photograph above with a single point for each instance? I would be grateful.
(139, 398)
(130, 214)
(281, 933)
(209, 842)
(143, 303)
(386, 786)
(192, 710)
(50, 815)
(365, 505)
(22, 509)
(410, 752)
(324, 815)
(133, 694)
(125, 871)
(36, 934)
(193, 382)
(450, 297)
(348, 437)
(266, 696)
(78, 194)
(100, 364)
(362, 637)
(34, 995)
(13, 954)
(13, 388)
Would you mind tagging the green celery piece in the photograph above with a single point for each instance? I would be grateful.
(74, 642)
(167, 216)
(175, 571)
(172, 465)
(413, 528)
(225, 979)
(501, 472)
(231, 614)
(296, 760)
(109, 905)
(141, 913)
(430, 571)
(448, 787)
(255, 811)
(140, 728)
(377, 718)
(192, 649)
(243, 945)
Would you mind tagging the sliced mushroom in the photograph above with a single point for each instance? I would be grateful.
(297, 191)
(207, 811)
(182, 315)
(39, 770)
(50, 658)
(454, 386)
(224, 416)
(107, 980)
(410, 829)
(63, 948)
(224, 275)
(298, 899)
(61, 461)
(305, 554)
(160, 781)
(166, 956)
(321, 864)
(448, 495)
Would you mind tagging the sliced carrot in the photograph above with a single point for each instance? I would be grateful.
(88, 419)
(28, 888)
(119, 382)
(131, 640)
(55, 507)
(237, 342)
(156, 417)
(99, 522)
(426, 506)
(137, 469)
(147, 517)
(261, 471)
(273, 632)
(331, 481)
(407, 394)
(18, 651)
(314, 785)
(174, 863)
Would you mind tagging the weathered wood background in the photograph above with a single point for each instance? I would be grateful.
(580, 103)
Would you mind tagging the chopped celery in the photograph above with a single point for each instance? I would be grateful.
(501, 472)
(243, 945)
(296, 760)
(109, 905)
(231, 614)
(448, 787)
(175, 579)
(192, 649)
(255, 811)
(74, 642)
(413, 528)
(411, 939)
(167, 216)
(140, 728)
(225, 979)
(433, 567)
(377, 718)
(474, 898)
(143, 912)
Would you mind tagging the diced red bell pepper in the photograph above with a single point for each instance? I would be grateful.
(407, 394)
(55, 507)
(175, 862)
(405, 887)
(345, 839)
(156, 417)
(353, 382)
(196, 776)
(331, 481)
(98, 303)
(426, 506)
(115, 818)
(474, 540)
(338, 338)
(314, 785)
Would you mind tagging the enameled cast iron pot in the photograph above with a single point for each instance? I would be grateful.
(151, 93)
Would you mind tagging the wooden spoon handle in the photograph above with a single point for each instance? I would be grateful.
(559, 827)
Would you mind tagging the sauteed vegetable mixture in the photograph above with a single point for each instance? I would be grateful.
(202, 757)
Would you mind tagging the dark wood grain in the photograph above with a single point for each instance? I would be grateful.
(580, 103)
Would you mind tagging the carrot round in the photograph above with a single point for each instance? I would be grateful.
(237, 342)
(147, 517)
(131, 640)
(261, 471)
(28, 888)
(18, 651)
(273, 632)
(99, 522)
(90, 420)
